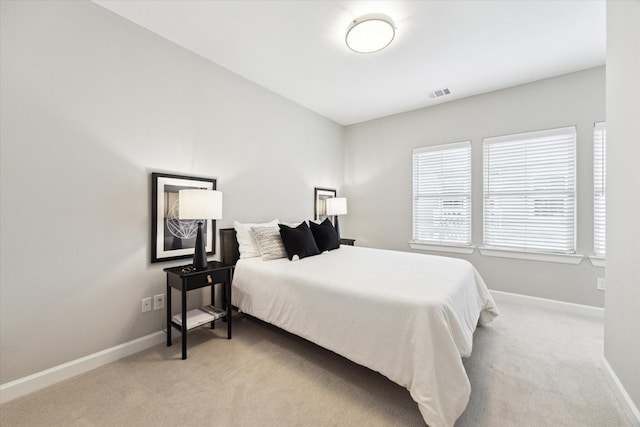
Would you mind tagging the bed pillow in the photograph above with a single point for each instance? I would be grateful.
(247, 244)
(325, 235)
(270, 242)
(298, 241)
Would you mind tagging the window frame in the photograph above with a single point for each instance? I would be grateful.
(493, 247)
(446, 245)
(599, 193)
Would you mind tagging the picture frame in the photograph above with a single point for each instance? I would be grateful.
(172, 238)
(319, 208)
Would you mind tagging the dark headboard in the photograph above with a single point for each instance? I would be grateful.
(229, 252)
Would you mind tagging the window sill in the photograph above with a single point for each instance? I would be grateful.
(597, 261)
(441, 248)
(532, 256)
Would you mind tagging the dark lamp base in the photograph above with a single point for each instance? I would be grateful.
(200, 253)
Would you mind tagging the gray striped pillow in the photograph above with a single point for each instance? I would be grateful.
(269, 242)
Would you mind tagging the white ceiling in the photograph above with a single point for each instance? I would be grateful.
(297, 49)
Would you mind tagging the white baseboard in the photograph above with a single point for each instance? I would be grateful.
(567, 307)
(630, 407)
(28, 384)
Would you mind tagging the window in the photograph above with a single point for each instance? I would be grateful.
(442, 194)
(599, 188)
(529, 191)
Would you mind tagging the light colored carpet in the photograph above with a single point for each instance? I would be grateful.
(530, 367)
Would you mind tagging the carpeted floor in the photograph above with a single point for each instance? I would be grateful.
(530, 367)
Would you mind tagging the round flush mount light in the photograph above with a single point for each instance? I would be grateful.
(370, 33)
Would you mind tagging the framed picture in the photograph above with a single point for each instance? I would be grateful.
(319, 208)
(172, 238)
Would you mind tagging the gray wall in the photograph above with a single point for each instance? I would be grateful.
(378, 174)
(91, 104)
(622, 302)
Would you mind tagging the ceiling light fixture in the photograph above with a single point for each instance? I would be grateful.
(370, 33)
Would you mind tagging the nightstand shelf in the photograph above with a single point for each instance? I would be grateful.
(198, 317)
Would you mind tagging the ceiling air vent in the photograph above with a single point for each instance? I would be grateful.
(439, 92)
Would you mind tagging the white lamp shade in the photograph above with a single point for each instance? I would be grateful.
(370, 33)
(336, 206)
(199, 204)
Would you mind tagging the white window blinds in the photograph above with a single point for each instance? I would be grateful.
(529, 191)
(599, 188)
(442, 194)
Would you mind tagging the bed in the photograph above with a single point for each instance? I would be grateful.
(408, 316)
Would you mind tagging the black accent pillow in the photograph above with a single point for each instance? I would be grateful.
(325, 235)
(298, 241)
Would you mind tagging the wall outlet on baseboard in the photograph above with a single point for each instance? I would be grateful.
(158, 302)
(600, 283)
(146, 304)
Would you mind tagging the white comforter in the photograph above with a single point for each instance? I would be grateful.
(408, 316)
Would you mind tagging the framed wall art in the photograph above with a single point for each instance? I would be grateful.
(172, 238)
(319, 208)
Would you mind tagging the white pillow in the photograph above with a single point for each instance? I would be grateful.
(247, 245)
(292, 224)
(270, 242)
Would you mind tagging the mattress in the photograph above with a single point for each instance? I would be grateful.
(408, 316)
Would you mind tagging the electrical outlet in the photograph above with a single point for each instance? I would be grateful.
(158, 302)
(146, 304)
(600, 283)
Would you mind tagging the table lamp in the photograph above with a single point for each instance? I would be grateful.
(336, 206)
(200, 205)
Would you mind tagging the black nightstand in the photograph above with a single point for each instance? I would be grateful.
(185, 279)
(349, 242)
